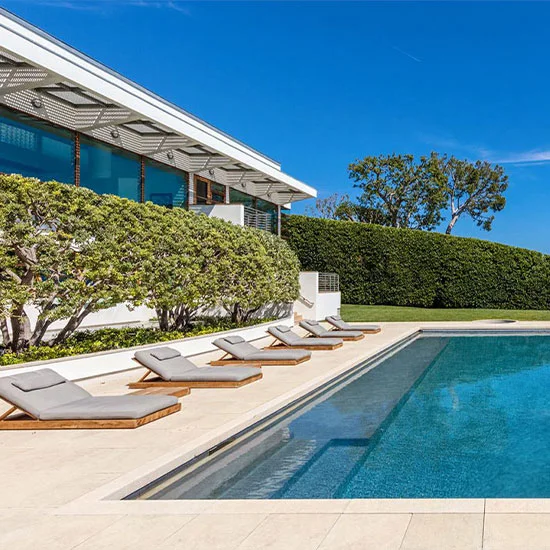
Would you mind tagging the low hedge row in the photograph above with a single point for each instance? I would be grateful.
(403, 267)
(106, 339)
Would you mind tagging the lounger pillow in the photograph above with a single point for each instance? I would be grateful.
(45, 378)
(164, 353)
(234, 339)
(282, 328)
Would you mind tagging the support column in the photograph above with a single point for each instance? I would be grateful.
(226, 198)
(279, 220)
(77, 159)
(142, 180)
(191, 188)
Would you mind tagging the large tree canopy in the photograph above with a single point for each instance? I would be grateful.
(398, 191)
(407, 193)
(473, 189)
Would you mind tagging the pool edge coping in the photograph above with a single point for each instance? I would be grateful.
(108, 499)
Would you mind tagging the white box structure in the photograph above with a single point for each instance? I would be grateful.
(316, 300)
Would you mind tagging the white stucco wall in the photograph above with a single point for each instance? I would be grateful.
(108, 362)
(313, 304)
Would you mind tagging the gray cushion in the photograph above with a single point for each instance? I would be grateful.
(236, 346)
(166, 368)
(234, 339)
(318, 342)
(35, 402)
(336, 321)
(364, 327)
(279, 355)
(284, 334)
(217, 374)
(341, 334)
(165, 353)
(107, 407)
(313, 327)
(37, 380)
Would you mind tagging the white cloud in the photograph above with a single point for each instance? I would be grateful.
(410, 56)
(101, 5)
(528, 157)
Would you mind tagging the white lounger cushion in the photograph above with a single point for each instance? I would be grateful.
(180, 369)
(315, 328)
(238, 348)
(63, 400)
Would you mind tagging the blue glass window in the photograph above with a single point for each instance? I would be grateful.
(164, 185)
(109, 170)
(238, 197)
(32, 148)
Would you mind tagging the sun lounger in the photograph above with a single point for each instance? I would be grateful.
(286, 338)
(51, 402)
(172, 369)
(238, 351)
(319, 331)
(338, 323)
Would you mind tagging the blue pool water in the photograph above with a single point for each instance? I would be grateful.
(445, 417)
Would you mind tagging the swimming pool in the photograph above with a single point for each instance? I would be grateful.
(443, 417)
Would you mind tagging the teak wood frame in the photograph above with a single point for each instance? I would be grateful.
(364, 331)
(231, 361)
(336, 335)
(33, 423)
(328, 347)
(158, 382)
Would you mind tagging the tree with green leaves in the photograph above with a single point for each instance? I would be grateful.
(67, 251)
(182, 276)
(260, 270)
(341, 207)
(70, 252)
(404, 192)
(473, 189)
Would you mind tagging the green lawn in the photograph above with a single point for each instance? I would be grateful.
(394, 313)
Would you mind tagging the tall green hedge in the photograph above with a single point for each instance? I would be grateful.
(403, 267)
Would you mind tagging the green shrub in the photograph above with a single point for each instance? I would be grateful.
(118, 338)
(403, 267)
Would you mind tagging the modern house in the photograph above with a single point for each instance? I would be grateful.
(64, 116)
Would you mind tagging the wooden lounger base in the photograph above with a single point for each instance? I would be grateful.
(266, 363)
(235, 363)
(369, 331)
(206, 384)
(29, 423)
(328, 347)
(346, 338)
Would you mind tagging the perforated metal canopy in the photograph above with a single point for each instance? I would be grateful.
(44, 77)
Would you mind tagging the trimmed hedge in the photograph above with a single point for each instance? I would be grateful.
(404, 267)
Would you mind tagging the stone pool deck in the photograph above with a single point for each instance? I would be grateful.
(53, 483)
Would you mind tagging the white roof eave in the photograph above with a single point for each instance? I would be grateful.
(42, 50)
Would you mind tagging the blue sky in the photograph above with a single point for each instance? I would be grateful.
(316, 85)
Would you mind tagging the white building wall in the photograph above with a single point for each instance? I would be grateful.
(313, 304)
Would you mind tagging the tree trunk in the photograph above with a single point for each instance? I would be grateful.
(162, 315)
(237, 314)
(42, 326)
(6, 339)
(21, 329)
(449, 229)
(73, 323)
